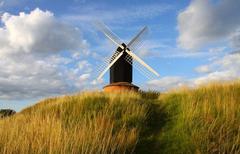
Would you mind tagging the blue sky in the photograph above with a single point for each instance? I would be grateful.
(51, 48)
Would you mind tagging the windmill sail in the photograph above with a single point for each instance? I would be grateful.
(109, 66)
(106, 61)
(109, 34)
(142, 62)
(137, 41)
(143, 70)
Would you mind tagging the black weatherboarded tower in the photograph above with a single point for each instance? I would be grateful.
(121, 70)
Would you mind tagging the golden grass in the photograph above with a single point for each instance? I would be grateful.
(84, 123)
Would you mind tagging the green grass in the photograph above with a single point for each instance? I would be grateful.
(202, 120)
(205, 120)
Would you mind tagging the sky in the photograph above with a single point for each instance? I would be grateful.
(52, 48)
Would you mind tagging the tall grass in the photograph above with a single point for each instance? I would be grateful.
(205, 120)
(202, 120)
(84, 123)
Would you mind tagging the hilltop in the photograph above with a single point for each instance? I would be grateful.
(202, 120)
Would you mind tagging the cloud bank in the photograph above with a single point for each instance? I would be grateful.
(204, 22)
(222, 69)
(31, 56)
(38, 32)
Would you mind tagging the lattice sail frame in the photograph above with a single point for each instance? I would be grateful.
(107, 60)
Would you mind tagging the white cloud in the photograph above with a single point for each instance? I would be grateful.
(116, 15)
(222, 69)
(32, 64)
(84, 65)
(149, 48)
(204, 22)
(165, 83)
(203, 69)
(57, 59)
(84, 77)
(38, 32)
(235, 39)
(226, 75)
(235, 52)
(163, 49)
(97, 82)
(29, 78)
(217, 49)
(1, 3)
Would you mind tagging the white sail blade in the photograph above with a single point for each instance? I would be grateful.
(142, 62)
(105, 62)
(143, 70)
(108, 33)
(138, 39)
(108, 67)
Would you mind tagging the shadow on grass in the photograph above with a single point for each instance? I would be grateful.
(157, 118)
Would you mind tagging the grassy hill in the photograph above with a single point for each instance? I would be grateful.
(204, 120)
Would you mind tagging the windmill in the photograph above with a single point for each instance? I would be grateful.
(121, 62)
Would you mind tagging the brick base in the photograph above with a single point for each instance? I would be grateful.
(120, 86)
